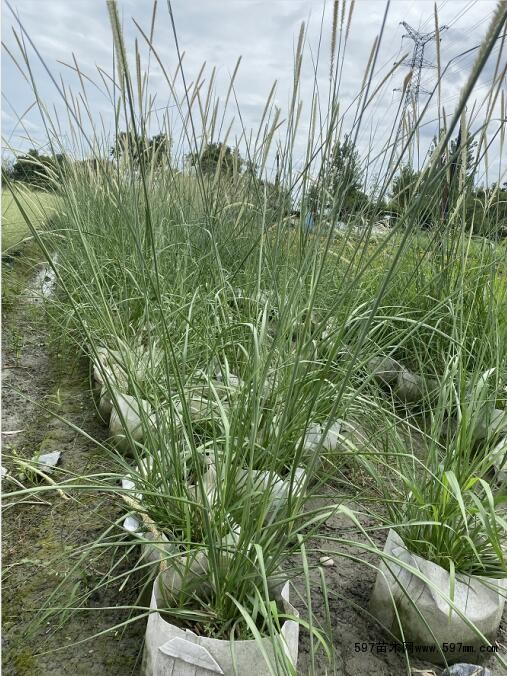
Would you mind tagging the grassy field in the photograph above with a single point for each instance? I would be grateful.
(18, 246)
(39, 206)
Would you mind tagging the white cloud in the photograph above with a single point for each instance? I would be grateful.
(263, 32)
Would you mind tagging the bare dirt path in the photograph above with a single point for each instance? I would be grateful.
(39, 539)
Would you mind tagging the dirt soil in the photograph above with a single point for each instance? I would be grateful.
(39, 538)
(41, 534)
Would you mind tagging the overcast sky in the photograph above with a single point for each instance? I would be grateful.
(264, 33)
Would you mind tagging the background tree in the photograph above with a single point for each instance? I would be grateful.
(217, 155)
(438, 192)
(345, 167)
(403, 188)
(155, 150)
(415, 187)
(486, 211)
(458, 170)
(40, 171)
(339, 183)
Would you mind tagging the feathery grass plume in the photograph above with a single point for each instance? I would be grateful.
(336, 5)
(343, 42)
(298, 57)
(119, 45)
(349, 20)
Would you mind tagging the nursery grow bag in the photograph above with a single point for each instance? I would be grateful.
(315, 436)
(499, 458)
(490, 423)
(155, 547)
(341, 436)
(170, 650)
(384, 370)
(481, 600)
(411, 387)
(230, 380)
(107, 367)
(264, 481)
(130, 408)
(105, 403)
(199, 408)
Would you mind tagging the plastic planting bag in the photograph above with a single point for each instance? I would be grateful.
(155, 547)
(130, 409)
(275, 487)
(409, 386)
(231, 380)
(107, 368)
(341, 436)
(481, 600)
(315, 435)
(491, 423)
(198, 408)
(247, 302)
(385, 370)
(105, 403)
(169, 649)
(142, 361)
(499, 458)
(114, 366)
(464, 669)
(412, 388)
(208, 486)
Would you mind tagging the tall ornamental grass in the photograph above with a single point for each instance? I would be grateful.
(242, 332)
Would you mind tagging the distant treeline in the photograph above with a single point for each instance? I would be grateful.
(45, 172)
(337, 194)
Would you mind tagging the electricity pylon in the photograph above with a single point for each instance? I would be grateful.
(417, 62)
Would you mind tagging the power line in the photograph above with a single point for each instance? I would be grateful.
(439, 9)
(416, 63)
(463, 11)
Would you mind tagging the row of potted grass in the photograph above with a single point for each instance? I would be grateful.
(198, 463)
(395, 580)
(225, 420)
(182, 567)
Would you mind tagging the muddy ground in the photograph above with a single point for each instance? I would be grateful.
(40, 535)
(39, 539)
(349, 586)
